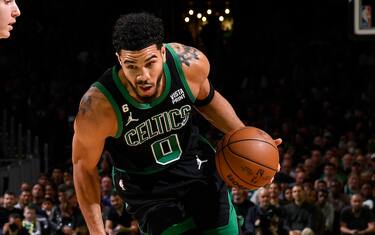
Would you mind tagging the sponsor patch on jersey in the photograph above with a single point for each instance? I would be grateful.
(177, 96)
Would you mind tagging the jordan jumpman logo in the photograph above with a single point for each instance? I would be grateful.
(199, 162)
(131, 119)
(121, 184)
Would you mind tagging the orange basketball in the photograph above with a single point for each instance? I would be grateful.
(247, 158)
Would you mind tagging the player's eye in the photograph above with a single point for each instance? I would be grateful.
(130, 67)
(149, 64)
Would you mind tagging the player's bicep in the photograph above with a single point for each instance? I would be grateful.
(89, 136)
(195, 65)
(86, 153)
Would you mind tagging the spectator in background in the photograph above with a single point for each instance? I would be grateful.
(310, 169)
(48, 208)
(118, 221)
(320, 185)
(362, 160)
(31, 222)
(284, 175)
(50, 192)
(79, 224)
(299, 215)
(338, 198)
(368, 198)
(24, 199)
(327, 210)
(275, 198)
(64, 216)
(8, 208)
(365, 176)
(241, 204)
(106, 190)
(14, 226)
(347, 161)
(264, 218)
(316, 157)
(330, 173)
(9, 11)
(356, 168)
(287, 195)
(300, 177)
(57, 177)
(357, 219)
(353, 186)
(68, 180)
(311, 195)
(25, 186)
(38, 195)
(43, 179)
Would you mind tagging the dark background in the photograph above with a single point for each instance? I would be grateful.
(292, 68)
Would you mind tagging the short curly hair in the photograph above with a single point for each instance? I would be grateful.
(136, 31)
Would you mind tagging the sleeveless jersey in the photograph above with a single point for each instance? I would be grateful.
(151, 136)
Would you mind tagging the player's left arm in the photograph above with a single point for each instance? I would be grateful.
(209, 102)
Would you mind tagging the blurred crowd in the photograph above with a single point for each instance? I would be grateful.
(49, 207)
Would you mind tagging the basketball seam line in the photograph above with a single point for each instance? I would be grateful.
(253, 139)
(238, 155)
(235, 172)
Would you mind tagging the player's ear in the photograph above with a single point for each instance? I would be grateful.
(118, 58)
(163, 53)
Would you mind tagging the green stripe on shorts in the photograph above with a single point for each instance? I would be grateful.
(180, 228)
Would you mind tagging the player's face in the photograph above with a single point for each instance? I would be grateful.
(8, 13)
(143, 72)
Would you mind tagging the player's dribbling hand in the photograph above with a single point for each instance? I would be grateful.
(278, 141)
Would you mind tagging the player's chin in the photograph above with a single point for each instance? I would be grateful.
(147, 93)
(4, 34)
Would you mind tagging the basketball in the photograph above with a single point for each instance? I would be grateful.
(247, 158)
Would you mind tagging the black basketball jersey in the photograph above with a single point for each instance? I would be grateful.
(151, 136)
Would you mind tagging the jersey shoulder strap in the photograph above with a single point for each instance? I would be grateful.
(107, 86)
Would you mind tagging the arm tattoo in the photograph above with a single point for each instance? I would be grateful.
(85, 105)
(187, 54)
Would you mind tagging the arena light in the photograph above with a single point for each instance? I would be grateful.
(221, 18)
(227, 11)
(204, 19)
(191, 12)
(199, 15)
(209, 11)
(187, 19)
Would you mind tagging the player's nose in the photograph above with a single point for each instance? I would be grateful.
(16, 11)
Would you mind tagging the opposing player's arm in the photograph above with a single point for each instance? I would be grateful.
(91, 127)
(210, 103)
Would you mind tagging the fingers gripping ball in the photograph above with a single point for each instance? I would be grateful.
(247, 158)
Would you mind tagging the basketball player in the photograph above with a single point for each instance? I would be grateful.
(140, 110)
(9, 11)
